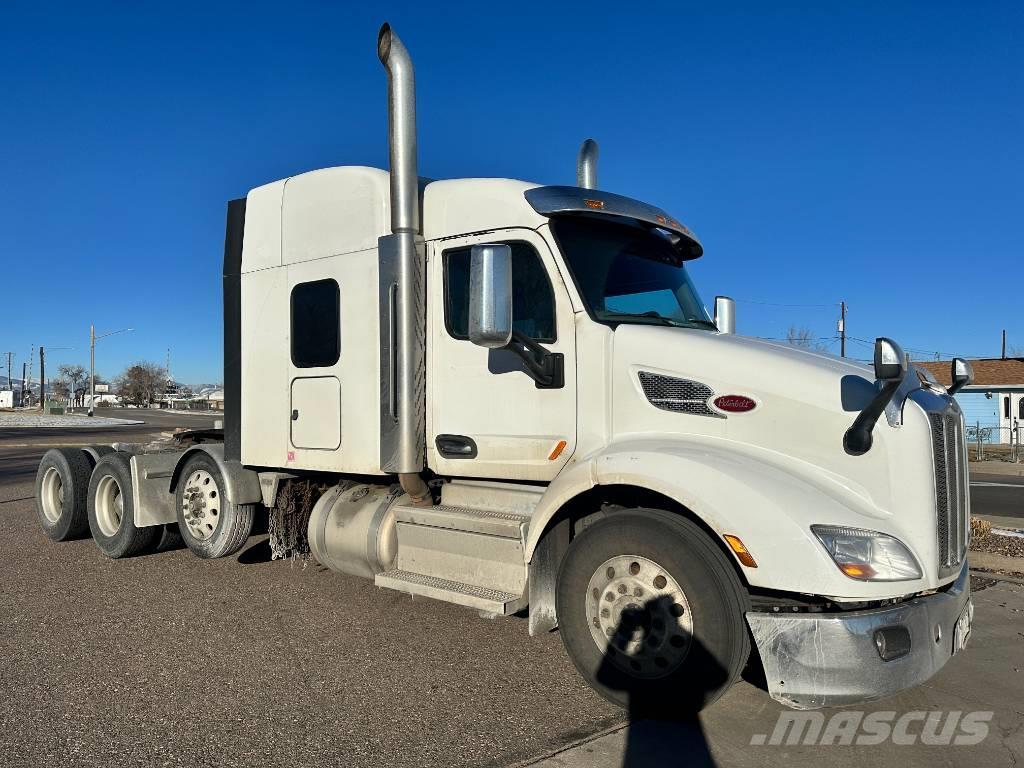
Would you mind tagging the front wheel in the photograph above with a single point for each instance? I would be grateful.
(651, 613)
(210, 525)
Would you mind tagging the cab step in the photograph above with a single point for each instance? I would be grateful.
(481, 598)
(504, 524)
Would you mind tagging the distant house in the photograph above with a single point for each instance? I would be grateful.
(995, 401)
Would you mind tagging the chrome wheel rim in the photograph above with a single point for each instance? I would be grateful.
(200, 505)
(639, 616)
(51, 494)
(109, 505)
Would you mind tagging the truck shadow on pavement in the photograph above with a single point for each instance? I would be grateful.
(663, 727)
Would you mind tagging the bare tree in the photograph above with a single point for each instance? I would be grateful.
(59, 388)
(140, 383)
(803, 338)
(71, 376)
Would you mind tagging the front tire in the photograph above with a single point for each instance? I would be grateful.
(62, 487)
(210, 525)
(651, 613)
(112, 511)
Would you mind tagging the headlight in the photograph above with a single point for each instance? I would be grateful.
(867, 555)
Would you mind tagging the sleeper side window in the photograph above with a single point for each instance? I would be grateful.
(533, 300)
(316, 324)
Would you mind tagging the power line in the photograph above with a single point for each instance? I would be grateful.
(773, 304)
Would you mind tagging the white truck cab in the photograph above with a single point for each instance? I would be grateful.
(510, 396)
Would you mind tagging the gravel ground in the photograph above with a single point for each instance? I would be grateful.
(993, 543)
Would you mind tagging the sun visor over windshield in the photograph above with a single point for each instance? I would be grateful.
(549, 201)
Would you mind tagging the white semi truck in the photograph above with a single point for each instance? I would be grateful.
(509, 396)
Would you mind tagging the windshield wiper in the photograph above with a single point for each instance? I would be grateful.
(652, 315)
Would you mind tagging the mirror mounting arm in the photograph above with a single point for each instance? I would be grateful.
(546, 368)
(857, 440)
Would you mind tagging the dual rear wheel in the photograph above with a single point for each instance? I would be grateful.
(73, 498)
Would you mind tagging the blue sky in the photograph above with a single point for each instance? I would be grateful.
(822, 151)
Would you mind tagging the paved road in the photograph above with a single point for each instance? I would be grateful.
(169, 660)
(999, 499)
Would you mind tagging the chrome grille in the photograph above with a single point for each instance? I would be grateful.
(678, 395)
(950, 488)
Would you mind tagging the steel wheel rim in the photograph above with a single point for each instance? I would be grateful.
(51, 494)
(639, 616)
(109, 503)
(200, 505)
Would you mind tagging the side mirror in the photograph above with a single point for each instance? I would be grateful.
(890, 362)
(890, 368)
(490, 296)
(962, 375)
(725, 314)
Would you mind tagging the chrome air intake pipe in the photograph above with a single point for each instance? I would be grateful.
(403, 422)
(586, 165)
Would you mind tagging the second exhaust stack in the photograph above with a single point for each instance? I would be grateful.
(586, 165)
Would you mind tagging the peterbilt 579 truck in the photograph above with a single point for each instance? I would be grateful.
(509, 396)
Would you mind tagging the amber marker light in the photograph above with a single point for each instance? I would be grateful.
(558, 450)
(742, 553)
(595, 204)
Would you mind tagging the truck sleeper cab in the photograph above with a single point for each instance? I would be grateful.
(571, 435)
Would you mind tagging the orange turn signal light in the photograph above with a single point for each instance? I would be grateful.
(558, 450)
(857, 570)
(742, 553)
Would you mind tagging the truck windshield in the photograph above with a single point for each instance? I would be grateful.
(629, 273)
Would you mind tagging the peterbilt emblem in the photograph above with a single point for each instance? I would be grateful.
(734, 403)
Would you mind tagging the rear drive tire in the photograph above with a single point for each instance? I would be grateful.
(112, 511)
(652, 613)
(210, 525)
(62, 487)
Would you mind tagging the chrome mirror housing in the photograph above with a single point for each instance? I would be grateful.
(890, 362)
(490, 295)
(962, 374)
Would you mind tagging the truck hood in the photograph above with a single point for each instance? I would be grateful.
(805, 402)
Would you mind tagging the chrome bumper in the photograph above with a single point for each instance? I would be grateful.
(827, 660)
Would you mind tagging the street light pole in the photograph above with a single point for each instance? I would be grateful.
(93, 338)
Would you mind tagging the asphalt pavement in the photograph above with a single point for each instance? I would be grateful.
(171, 660)
(998, 498)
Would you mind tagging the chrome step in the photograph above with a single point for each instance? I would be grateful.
(469, 595)
(508, 525)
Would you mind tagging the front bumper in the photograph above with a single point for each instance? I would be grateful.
(827, 660)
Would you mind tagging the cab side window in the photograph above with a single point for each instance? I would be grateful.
(315, 324)
(533, 300)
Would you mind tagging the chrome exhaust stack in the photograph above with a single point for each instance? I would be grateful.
(586, 165)
(402, 285)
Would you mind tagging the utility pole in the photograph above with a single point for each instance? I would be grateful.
(842, 329)
(10, 381)
(93, 338)
(92, 367)
(42, 376)
(1003, 356)
(31, 362)
(21, 400)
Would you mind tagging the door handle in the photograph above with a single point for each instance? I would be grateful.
(295, 414)
(455, 446)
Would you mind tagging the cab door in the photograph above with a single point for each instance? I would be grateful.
(487, 417)
(314, 401)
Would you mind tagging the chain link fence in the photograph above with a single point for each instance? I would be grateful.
(992, 442)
